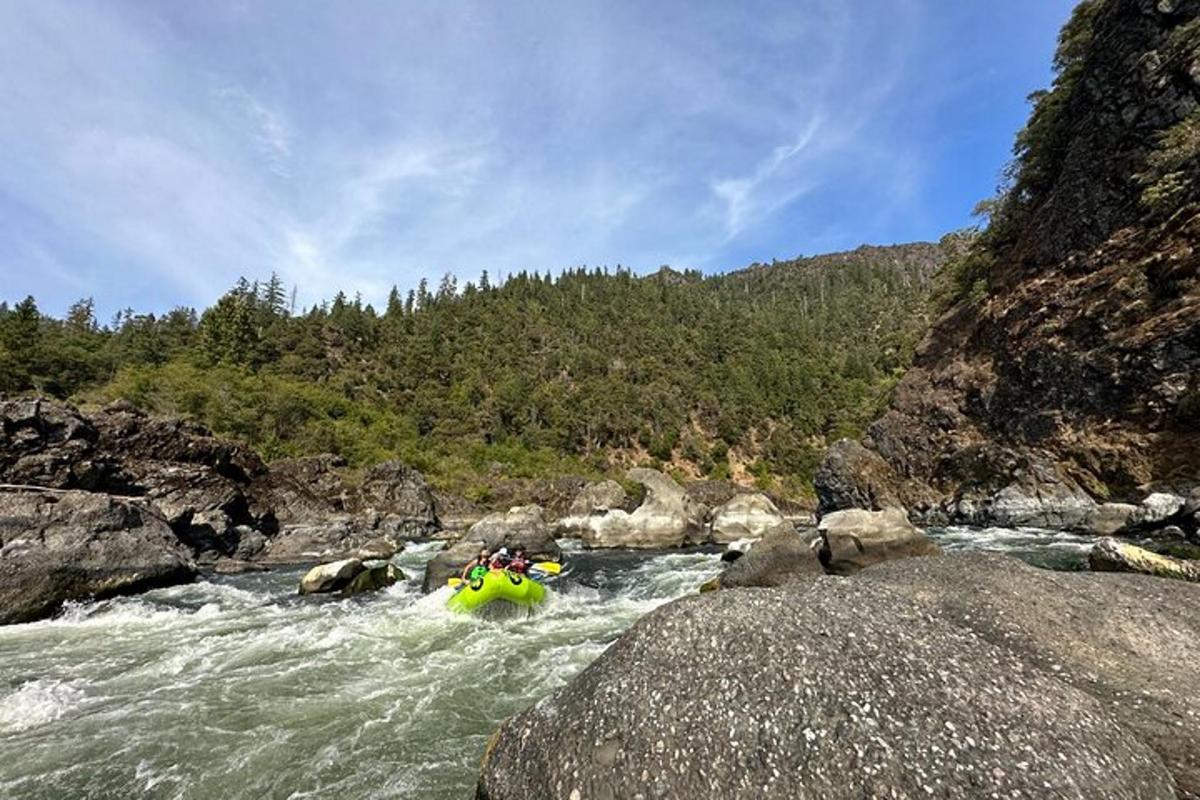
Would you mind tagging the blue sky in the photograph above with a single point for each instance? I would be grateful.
(150, 153)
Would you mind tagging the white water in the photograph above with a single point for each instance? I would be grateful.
(237, 688)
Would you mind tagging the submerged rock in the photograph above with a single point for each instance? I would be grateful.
(827, 689)
(1109, 555)
(60, 546)
(666, 518)
(780, 557)
(746, 516)
(854, 539)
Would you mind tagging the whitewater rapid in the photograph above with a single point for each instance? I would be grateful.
(235, 687)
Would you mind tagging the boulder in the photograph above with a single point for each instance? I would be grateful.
(1157, 510)
(523, 526)
(746, 516)
(666, 518)
(1109, 518)
(1109, 555)
(828, 689)
(780, 557)
(601, 496)
(379, 549)
(854, 539)
(73, 545)
(373, 579)
(331, 577)
(1049, 503)
(448, 564)
(1130, 641)
(50, 444)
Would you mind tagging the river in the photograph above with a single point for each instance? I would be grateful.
(235, 687)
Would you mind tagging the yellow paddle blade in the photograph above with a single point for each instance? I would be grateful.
(453, 582)
(548, 567)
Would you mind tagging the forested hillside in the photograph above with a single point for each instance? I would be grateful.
(746, 375)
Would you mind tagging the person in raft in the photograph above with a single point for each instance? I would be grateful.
(519, 563)
(477, 567)
(500, 559)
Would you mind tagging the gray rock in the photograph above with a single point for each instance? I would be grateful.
(854, 539)
(851, 476)
(1130, 641)
(780, 557)
(600, 496)
(1156, 510)
(372, 579)
(746, 516)
(400, 497)
(1107, 519)
(523, 526)
(331, 577)
(1043, 505)
(830, 689)
(666, 518)
(60, 546)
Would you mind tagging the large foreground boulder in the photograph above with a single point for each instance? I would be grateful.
(666, 518)
(829, 689)
(1130, 641)
(72, 545)
(780, 557)
(854, 539)
(745, 516)
(1110, 555)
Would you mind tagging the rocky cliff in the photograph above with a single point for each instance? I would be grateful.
(1066, 373)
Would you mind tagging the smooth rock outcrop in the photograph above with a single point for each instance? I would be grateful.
(666, 518)
(600, 496)
(780, 557)
(831, 689)
(72, 545)
(854, 539)
(1109, 555)
(745, 516)
(1130, 641)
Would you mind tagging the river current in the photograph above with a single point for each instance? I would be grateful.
(235, 687)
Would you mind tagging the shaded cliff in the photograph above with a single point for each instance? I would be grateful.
(1066, 370)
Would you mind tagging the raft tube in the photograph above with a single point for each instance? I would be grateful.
(520, 590)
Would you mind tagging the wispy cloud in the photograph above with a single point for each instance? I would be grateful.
(178, 146)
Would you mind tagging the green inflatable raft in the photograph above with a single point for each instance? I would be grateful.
(520, 590)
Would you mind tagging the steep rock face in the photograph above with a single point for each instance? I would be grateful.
(1074, 380)
(57, 546)
(831, 688)
(198, 482)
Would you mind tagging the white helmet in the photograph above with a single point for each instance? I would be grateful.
(503, 551)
